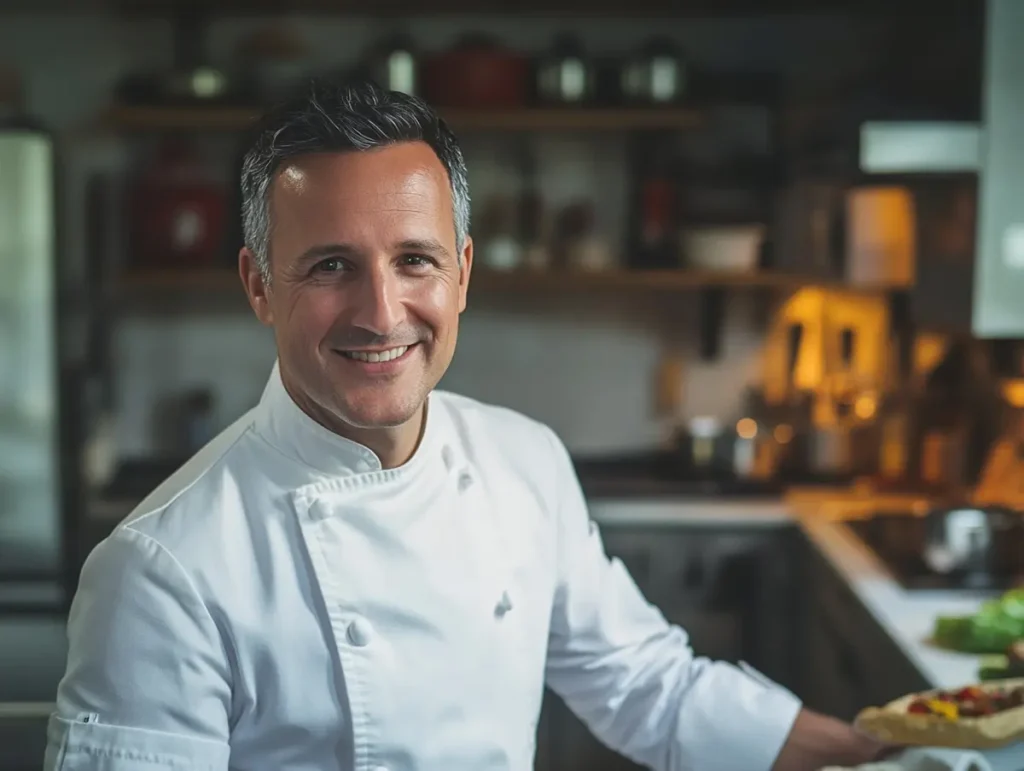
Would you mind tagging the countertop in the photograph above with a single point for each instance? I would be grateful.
(906, 616)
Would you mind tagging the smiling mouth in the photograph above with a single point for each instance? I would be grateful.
(375, 357)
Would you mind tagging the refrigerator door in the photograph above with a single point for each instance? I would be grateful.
(30, 505)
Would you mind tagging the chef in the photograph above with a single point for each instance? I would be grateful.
(365, 573)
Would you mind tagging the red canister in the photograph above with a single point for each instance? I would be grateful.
(177, 212)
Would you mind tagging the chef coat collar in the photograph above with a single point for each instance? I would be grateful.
(283, 423)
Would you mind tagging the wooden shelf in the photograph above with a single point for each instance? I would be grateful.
(574, 119)
(137, 119)
(518, 281)
(654, 9)
(626, 280)
(121, 118)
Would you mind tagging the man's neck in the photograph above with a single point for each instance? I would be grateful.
(393, 445)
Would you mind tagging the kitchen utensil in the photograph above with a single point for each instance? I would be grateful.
(566, 75)
(394, 65)
(701, 440)
(477, 73)
(657, 74)
(746, 437)
(726, 248)
(978, 543)
(194, 78)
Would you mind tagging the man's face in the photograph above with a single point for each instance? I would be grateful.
(366, 283)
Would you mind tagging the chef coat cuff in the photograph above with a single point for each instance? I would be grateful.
(84, 745)
(748, 726)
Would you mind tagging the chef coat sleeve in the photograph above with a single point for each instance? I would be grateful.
(633, 679)
(147, 678)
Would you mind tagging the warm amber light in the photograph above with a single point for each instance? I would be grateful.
(865, 406)
(1013, 392)
(746, 428)
(783, 433)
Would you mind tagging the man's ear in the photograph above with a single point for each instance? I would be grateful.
(255, 286)
(465, 268)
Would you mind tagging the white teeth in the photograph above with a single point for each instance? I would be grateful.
(377, 356)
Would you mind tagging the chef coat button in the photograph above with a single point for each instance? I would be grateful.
(504, 605)
(448, 456)
(359, 632)
(465, 480)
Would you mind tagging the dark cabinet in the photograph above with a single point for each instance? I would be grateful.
(849, 662)
(731, 588)
(22, 737)
(33, 651)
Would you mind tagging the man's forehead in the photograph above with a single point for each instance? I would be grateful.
(332, 198)
(401, 177)
(395, 161)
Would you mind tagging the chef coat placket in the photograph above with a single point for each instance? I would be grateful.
(414, 567)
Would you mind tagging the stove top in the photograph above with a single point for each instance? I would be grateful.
(898, 539)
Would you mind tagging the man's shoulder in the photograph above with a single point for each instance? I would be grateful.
(180, 511)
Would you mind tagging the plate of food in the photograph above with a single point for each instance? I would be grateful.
(976, 717)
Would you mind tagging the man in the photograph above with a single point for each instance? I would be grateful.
(365, 573)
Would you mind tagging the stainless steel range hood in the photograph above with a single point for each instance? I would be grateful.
(995, 150)
(927, 148)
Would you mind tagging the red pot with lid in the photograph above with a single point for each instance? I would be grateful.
(477, 73)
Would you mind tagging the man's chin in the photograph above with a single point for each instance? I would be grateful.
(380, 415)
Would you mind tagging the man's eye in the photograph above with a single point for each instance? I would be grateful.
(416, 260)
(330, 265)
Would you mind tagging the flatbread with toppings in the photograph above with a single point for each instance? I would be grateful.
(976, 717)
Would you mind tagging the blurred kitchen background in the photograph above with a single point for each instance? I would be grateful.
(757, 262)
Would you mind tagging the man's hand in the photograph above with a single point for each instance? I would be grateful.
(817, 741)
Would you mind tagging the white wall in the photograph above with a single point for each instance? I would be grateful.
(586, 371)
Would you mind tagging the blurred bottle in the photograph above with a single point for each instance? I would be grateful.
(500, 247)
(579, 242)
(658, 74)
(791, 428)
(652, 240)
(959, 418)
(565, 75)
(535, 231)
(896, 411)
(394, 64)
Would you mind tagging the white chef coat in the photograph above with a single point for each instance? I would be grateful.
(284, 603)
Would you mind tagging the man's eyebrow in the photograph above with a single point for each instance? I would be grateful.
(426, 245)
(326, 250)
(320, 251)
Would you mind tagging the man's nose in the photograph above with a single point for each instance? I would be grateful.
(377, 302)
